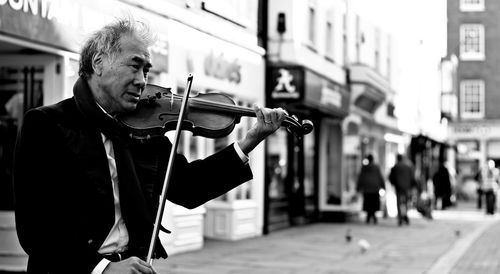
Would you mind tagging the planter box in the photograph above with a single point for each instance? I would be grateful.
(12, 256)
(186, 226)
(231, 221)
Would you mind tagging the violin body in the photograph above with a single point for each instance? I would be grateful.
(157, 112)
(211, 115)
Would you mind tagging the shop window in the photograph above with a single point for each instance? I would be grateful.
(309, 171)
(493, 150)
(21, 88)
(244, 191)
(277, 163)
(467, 147)
(332, 164)
(472, 99)
(472, 42)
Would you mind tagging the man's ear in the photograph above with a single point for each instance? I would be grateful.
(97, 64)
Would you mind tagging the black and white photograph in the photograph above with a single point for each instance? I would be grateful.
(249, 136)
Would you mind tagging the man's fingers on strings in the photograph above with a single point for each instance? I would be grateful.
(268, 116)
(259, 113)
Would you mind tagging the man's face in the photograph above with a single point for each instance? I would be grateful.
(123, 76)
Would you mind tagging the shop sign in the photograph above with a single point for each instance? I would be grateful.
(54, 22)
(472, 129)
(287, 83)
(48, 9)
(328, 96)
(65, 24)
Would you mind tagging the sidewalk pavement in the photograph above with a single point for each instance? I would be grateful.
(426, 246)
(483, 255)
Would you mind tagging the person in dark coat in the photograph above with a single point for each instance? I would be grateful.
(442, 186)
(402, 177)
(370, 182)
(86, 194)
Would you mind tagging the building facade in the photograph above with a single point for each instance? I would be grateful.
(306, 75)
(472, 70)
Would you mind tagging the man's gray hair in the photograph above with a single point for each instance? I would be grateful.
(106, 41)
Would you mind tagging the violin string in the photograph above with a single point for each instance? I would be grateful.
(217, 105)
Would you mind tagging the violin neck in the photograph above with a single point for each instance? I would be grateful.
(224, 108)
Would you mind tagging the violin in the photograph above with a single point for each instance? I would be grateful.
(211, 115)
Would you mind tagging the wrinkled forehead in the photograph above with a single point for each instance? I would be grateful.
(134, 47)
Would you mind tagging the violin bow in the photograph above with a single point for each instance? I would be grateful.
(163, 197)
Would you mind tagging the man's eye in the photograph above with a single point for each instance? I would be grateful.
(136, 67)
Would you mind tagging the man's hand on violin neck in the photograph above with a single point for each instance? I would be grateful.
(268, 121)
(130, 265)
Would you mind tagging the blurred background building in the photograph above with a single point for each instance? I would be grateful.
(470, 93)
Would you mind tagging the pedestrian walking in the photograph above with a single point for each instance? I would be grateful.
(402, 177)
(370, 182)
(86, 194)
(489, 186)
(479, 190)
(442, 187)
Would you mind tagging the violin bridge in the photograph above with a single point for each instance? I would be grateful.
(171, 101)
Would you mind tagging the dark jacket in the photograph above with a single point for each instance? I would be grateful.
(441, 181)
(64, 199)
(370, 179)
(402, 177)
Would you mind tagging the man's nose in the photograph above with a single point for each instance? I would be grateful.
(140, 80)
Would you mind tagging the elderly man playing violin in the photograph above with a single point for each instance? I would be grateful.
(86, 193)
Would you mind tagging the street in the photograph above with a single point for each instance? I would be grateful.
(424, 246)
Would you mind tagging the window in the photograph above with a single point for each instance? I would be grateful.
(360, 39)
(388, 63)
(391, 110)
(312, 28)
(472, 99)
(472, 42)
(243, 191)
(377, 50)
(344, 39)
(329, 40)
(471, 5)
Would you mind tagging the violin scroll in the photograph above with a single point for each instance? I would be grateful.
(298, 128)
(307, 127)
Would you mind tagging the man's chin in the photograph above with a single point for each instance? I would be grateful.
(130, 106)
